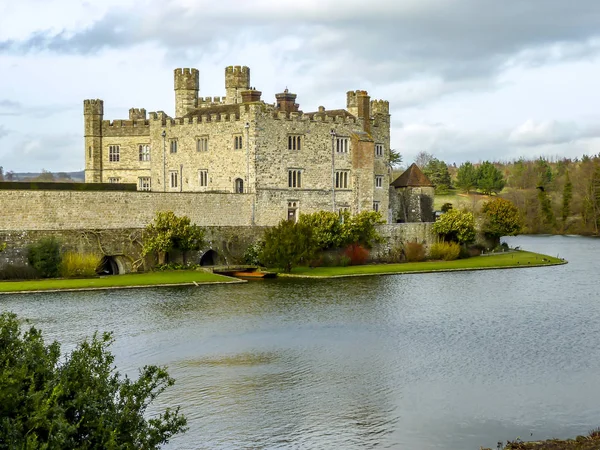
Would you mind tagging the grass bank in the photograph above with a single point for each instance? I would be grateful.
(589, 442)
(494, 261)
(115, 281)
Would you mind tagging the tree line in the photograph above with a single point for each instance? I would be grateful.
(553, 196)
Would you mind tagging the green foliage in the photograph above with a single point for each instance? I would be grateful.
(502, 218)
(438, 174)
(466, 177)
(456, 226)
(548, 218)
(169, 232)
(544, 172)
(253, 252)
(489, 179)
(446, 207)
(2, 246)
(566, 200)
(79, 265)
(175, 266)
(44, 257)
(395, 158)
(447, 251)
(331, 230)
(288, 244)
(414, 252)
(78, 401)
(18, 272)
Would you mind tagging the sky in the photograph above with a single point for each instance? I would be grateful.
(467, 80)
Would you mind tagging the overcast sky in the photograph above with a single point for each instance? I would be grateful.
(466, 79)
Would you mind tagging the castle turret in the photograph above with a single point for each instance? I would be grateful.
(137, 114)
(380, 107)
(358, 103)
(237, 79)
(286, 102)
(187, 86)
(93, 113)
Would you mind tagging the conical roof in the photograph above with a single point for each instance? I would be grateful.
(412, 177)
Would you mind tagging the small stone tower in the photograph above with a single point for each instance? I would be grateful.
(93, 113)
(286, 102)
(187, 86)
(358, 103)
(237, 79)
(411, 197)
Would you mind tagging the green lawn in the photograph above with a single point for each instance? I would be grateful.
(501, 260)
(132, 279)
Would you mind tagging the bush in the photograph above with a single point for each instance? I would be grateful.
(44, 257)
(175, 266)
(75, 265)
(344, 261)
(288, 244)
(448, 251)
(252, 253)
(356, 254)
(456, 226)
(77, 400)
(18, 272)
(414, 252)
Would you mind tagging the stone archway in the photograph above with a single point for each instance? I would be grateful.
(112, 265)
(209, 258)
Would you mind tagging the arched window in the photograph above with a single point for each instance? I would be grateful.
(239, 186)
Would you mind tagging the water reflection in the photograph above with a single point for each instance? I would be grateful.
(429, 361)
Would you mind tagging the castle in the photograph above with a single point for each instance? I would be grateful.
(284, 160)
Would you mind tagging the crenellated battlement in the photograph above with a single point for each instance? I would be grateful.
(137, 114)
(237, 69)
(313, 118)
(380, 107)
(93, 106)
(210, 101)
(187, 79)
(119, 123)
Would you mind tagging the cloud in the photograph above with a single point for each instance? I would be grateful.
(58, 152)
(533, 134)
(12, 108)
(3, 131)
(389, 40)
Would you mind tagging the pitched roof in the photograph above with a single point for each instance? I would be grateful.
(412, 177)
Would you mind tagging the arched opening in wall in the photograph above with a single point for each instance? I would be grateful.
(209, 258)
(239, 186)
(108, 266)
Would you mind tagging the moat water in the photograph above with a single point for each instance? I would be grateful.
(426, 361)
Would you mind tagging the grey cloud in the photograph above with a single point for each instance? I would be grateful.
(61, 151)
(534, 134)
(12, 108)
(3, 131)
(456, 39)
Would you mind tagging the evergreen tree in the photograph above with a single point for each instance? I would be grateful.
(489, 179)
(566, 200)
(438, 174)
(466, 177)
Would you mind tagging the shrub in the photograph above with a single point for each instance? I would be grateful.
(18, 272)
(175, 266)
(252, 253)
(448, 251)
(456, 226)
(288, 244)
(74, 265)
(44, 257)
(414, 252)
(356, 254)
(446, 207)
(344, 261)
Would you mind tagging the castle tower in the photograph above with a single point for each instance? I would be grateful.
(93, 113)
(237, 79)
(358, 103)
(187, 86)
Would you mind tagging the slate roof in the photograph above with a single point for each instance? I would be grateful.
(412, 177)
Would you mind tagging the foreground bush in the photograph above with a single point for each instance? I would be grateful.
(356, 254)
(44, 257)
(448, 251)
(82, 265)
(287, 245)
(49, 401)
(414, 252)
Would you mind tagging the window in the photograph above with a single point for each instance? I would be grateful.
(144, 152)
(295, 178)
(341, 179)
(237, 142)
(143, 183)
(294, 142)
(342, 144)
(114, 153)
(173, 145)
(174, 178)
(202, 144)
(376, 206)
(114, 180)
(292, 214)
(203, 178)
(379, 150)
(378, 181)
(239, 186)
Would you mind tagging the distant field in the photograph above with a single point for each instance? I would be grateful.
(460, 200)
